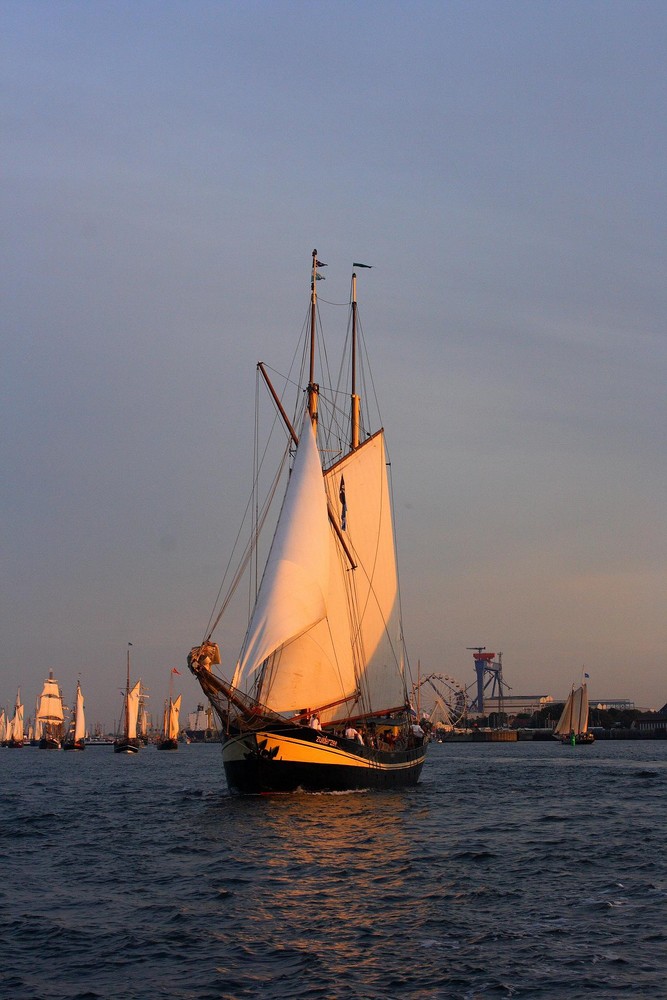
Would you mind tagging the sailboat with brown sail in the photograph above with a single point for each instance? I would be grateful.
(170, 724)
(127, 741)
(572, 727)
(319, 696)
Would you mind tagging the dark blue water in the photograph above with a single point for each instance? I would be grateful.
(513, 870)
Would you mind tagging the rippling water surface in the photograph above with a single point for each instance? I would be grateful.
(513, 870)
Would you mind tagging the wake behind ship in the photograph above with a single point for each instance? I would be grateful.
(319, 696)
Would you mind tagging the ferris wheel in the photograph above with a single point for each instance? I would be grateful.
(451, 702)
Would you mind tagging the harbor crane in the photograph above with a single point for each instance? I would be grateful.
(489, 675)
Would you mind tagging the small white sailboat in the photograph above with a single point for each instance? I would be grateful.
(3, 727)
(319, 697)
(15, 737)
(50, 716)
(572, 727)
(170, 722)
(143, 718)
(127, 740)
(75, 738)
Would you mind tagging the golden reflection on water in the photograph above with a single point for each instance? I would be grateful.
(332, 868)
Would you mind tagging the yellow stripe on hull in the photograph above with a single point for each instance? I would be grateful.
(279, 747)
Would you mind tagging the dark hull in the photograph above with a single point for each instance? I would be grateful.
(168, 745)
(281, 759)
(49, 743)
(126, 746)
(579, 740)
(74, 746)
(15, 744)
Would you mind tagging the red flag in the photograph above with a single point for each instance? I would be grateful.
(175, 671)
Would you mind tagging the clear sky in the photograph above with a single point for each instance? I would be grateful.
(168, 169)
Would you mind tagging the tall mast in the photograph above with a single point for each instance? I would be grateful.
(127, 693)
(354, 398)
(313, 388)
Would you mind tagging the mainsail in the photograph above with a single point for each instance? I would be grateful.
(79, 716)
(132, 711)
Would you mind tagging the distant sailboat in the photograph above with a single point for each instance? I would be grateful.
(3, 728)
(572, 727)
(142, 717)
(15, 729)
(75, 738)
(170, 725)
(50, 715)
(127, 741)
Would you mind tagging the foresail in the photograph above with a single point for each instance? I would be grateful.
(292, 594)
(564, 724)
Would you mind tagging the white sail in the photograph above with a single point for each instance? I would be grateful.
(292, 595)
(3, 726)
(16, 725)
(324, 629)
(79, 716)
(133, 710)
(39, 725)
(574, 717)
(172, 723)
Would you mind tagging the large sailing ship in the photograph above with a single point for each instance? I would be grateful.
(319, 696)
(50, 716)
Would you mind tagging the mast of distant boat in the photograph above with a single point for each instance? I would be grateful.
(127, 694)
(167, 727)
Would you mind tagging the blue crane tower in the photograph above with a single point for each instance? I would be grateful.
(489, 675)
